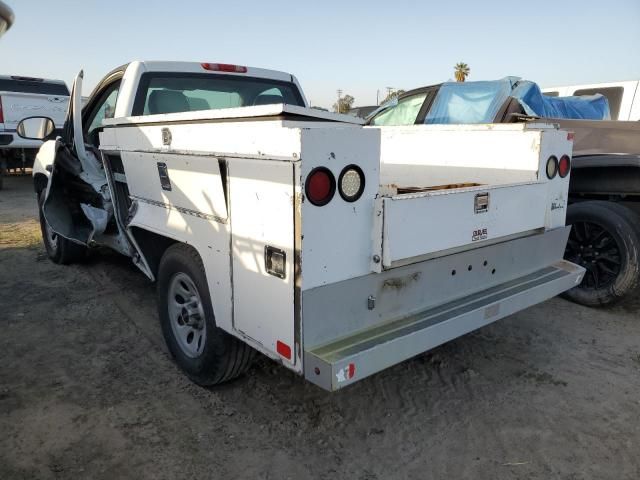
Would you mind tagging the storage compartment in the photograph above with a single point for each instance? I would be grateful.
(431, 157)
(417, 226)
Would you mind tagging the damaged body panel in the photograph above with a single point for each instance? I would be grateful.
(78, 203)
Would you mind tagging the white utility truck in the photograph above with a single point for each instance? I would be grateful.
(335, 249)
(22, 97)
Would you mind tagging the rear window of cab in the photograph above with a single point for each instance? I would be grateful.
(37, 86)
(183, 92)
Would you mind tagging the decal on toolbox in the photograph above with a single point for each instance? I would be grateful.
(480, 234)
(346, 373)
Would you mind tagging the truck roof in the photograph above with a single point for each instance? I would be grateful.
(134, 71)
(30, 79)
(199, 67)
(620, 83)
(15, 84)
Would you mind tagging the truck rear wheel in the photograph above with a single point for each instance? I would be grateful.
(207, 354)
(605, 239)
(59, 249)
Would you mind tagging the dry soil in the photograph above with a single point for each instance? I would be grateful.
(88, 390)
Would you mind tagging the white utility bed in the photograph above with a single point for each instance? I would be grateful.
(447, 217)
(446, 188)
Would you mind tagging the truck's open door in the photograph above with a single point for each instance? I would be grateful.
(80, 204)
(72, 198)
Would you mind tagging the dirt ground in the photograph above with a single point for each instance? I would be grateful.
(88, 390)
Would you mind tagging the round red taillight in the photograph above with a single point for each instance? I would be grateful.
(564, 166)
(320, 186)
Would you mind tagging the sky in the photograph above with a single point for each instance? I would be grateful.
(359, 47)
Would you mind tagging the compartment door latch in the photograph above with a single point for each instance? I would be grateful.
(481, 202)
(165, 183)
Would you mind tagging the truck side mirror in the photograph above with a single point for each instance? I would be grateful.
(35, 128)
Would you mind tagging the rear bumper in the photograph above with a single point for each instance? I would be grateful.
(5, 139)
(364, 352)
(348, 360)
(10, 139)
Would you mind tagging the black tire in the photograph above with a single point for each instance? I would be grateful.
(3, 169)
(605, 239)
(222, 357)
(59, 249)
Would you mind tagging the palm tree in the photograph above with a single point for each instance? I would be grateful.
(461, 71)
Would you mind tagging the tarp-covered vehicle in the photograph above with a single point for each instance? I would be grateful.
(494, 101)
(605, 180)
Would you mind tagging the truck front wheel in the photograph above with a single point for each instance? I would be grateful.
(59, 249)
(605, 240)
(3, 168)
(207, 354)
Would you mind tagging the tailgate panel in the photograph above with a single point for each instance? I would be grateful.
(17, 106)
(423, 224)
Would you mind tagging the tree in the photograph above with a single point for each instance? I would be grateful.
(391, 95)
(344, 104)
(461, 71)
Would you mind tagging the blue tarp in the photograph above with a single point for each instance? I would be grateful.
(469, 102)
(586, 107)
(479, 102)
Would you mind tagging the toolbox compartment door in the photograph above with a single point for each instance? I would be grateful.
(423, 225)
(262, 200)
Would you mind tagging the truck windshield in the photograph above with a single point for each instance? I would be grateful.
(33, 86)
(180, 92)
